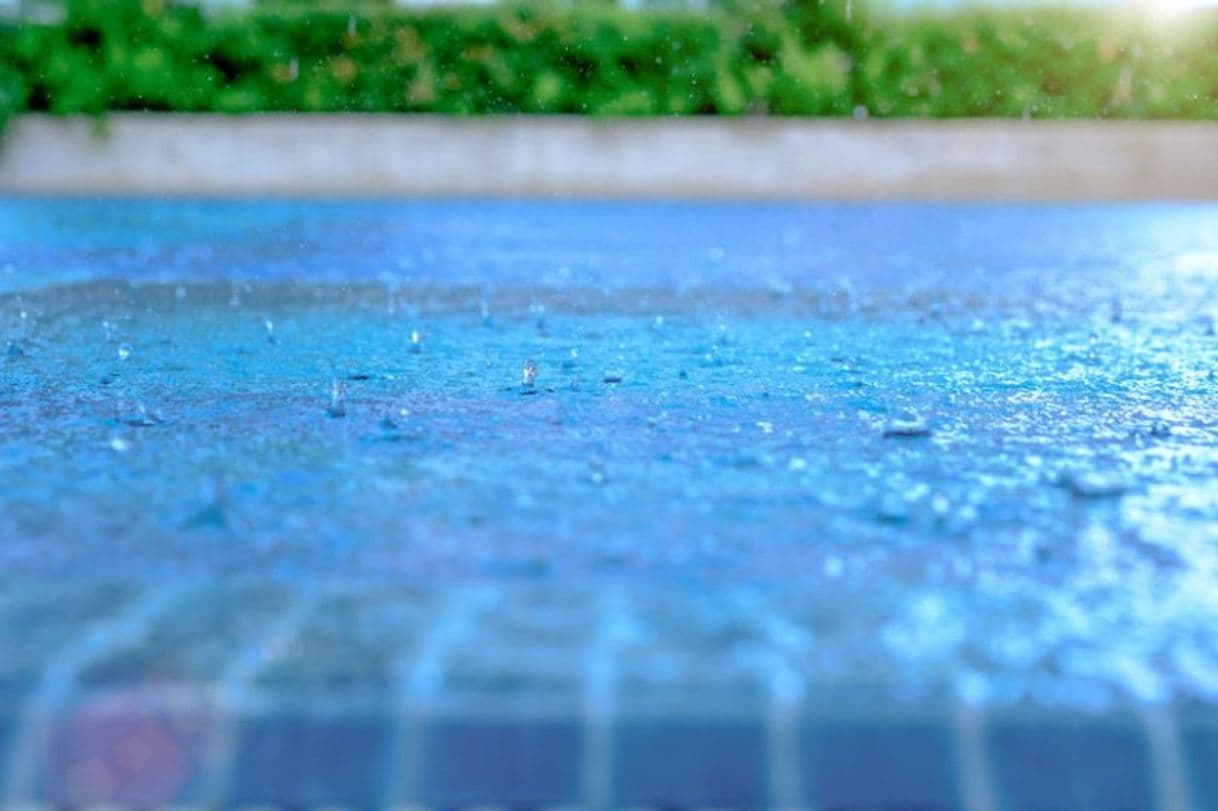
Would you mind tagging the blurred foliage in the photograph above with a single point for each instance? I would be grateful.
(780, 57)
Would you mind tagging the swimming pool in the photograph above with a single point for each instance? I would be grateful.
(828, 505)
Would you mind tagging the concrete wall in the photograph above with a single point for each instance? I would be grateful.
(420, 155)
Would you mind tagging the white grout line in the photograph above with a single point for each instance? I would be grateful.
(232, 693)
(786, 687)
(36, 723)
(976, 777)
(1166, 760)
(599, 675)
(419, 680)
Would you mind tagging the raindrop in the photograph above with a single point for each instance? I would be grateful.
(485, 310)
(1089, 484)
(538, 311)
(140, 417)
(212, 514)
(893, 509)
(528, 374)
(338, 399)
(269, 325)
(906, 426)
(119, 445)
(416, 341)
(124, 351)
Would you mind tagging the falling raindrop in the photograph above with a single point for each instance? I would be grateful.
(538, 311)
(338, 399)
(269, 325)
(124, 351)
(416, 342)
(528, 374)
(213, 514)
(119, 445)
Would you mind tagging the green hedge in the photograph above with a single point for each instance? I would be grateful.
(798, 57)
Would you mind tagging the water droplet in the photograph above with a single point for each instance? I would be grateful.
(119, 445)
(213, 514)
(485, 310)
(538, 311)
(893, 508)
(906, 426)
(338, 399)
(416, 341)
(124, 351)
(528, 374)
(269, 326)
(1094, 483)
(138, 416)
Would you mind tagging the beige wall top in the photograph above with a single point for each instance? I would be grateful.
(540, 156)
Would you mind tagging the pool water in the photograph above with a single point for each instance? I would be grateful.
(742, 465)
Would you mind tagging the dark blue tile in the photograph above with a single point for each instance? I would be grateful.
(300, 760)
(514, 762)
(1055, 764)
(691, 762)
(1199, 739)
(878, 764)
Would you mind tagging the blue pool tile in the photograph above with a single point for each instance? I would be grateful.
(521, 763)
(300, 760)
(1067, 763)
(1199, 742)
(850, 763)
(691, 762)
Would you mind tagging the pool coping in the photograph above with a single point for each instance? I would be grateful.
(354, 155)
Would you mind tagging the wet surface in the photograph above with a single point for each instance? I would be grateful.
(698, 455)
